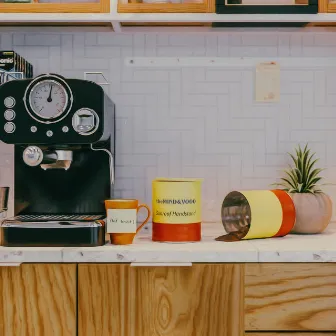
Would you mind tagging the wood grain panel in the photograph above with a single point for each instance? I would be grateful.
(211, 6)
(332, 7)
(290, 297)
(107, 25)
(290, 334)
(104, 6)
(165, 24)
(51, 7)
(163, 8)
(38, 300)
(119, 300)
(323, 6)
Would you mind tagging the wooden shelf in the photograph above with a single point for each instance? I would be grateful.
(212, 17)
(156, 18)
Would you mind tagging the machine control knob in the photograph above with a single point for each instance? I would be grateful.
(9, 115)
(9, 127)
(32, 156)
(9, 102)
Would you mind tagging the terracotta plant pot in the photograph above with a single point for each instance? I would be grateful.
(313, 212)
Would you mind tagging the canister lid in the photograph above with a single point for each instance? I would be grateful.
(177, 179)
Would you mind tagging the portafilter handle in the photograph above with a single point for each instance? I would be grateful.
(34, 156)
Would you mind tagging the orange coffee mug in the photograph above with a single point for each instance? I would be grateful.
(121, 221)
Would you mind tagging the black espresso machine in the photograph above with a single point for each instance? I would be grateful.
(63, 132)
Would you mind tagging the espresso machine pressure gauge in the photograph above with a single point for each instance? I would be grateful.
(48, 99)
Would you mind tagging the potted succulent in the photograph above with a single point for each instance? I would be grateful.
(302, 182)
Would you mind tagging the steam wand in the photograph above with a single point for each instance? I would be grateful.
(111, 161)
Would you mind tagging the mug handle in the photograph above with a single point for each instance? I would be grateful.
(146, 220)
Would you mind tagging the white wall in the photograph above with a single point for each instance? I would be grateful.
(198, 122)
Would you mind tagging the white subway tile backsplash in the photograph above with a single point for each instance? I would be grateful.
(91, 39)
(150, 76)
(119, 40)
(43, 39)
(200, 121)
(18, 39)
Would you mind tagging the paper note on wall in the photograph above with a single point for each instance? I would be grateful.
(268, 82)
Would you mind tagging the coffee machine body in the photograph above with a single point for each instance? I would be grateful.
(63, 131)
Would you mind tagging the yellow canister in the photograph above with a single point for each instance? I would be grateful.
(255, 214)
(177, 209)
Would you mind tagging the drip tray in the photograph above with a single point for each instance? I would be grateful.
(53, 233)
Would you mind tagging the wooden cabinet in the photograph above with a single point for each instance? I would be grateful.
(57, 6)
(120, 300)
(166, 6)
(290, 334)
(204, 299)
(38, 300)
(290, 297)
(327, 6)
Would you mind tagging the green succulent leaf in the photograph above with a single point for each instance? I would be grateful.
(291, 184)
(305, 170)
(302, 176)
(293, 158)
(313, 182)
(291, 175)
(298, 175)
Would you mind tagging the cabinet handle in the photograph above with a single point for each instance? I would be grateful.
(9, 264)
(162, 264)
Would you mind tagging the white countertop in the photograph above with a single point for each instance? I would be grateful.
(292, 248)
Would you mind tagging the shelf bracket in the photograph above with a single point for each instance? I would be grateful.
(116, 26)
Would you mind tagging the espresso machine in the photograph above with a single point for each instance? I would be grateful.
(63, 132)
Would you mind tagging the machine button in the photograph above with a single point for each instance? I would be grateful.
(33, 129)
(9, 115)
(50, 133)
(9, 127)
(9, 102)
(65, 129)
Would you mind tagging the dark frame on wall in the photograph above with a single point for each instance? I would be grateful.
(223, 8)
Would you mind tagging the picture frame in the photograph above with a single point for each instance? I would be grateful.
(237, 8)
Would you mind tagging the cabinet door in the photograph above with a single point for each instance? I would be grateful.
(120, 300)
(166, 6)
(55, 6)
(38, 300)
(290, 297)
(327, 6)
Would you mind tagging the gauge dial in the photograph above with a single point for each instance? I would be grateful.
(48, 99)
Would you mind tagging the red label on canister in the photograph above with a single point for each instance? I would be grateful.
(176, 210)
